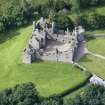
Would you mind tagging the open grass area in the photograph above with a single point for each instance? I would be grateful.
(92, 32)
(97, 46)
(94, 65)
(49, 77)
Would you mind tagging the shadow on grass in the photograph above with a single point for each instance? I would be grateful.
(34, 62)
(10, 34)
(38, 61)
(85, 59)
(71, 90)
(89, 37)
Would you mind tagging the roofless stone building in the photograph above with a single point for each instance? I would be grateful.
(48, 43)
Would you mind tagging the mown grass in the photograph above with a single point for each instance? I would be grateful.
(99, 31)
(49, 77)
(97, 46)
(94, 65)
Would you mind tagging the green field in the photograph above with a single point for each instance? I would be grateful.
(97, 46)
(94, 65)
(49, 77)
(92, 32)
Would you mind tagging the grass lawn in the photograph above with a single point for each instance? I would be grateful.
(92, 32)
(97, 46)
(49, 77)
(94, 65)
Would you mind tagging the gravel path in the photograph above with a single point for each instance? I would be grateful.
(97, 55)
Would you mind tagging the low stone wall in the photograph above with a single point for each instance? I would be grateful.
(80, 67)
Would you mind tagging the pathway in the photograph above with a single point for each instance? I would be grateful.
(99, 35)
(97, 55)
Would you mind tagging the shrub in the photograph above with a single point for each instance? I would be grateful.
(26, 94)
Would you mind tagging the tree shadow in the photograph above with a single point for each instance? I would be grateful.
(71, 90)
(89, 37)
(9, 34)
(38, 61)
(85, 59)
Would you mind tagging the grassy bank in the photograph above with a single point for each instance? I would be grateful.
(94, 65)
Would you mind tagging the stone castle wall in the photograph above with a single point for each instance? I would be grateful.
(66, 56)
(38, 42)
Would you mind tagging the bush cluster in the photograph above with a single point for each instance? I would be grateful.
(16, 15)
(26, 94)
(93, 95)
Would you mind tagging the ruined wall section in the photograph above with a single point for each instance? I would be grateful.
(38, 42)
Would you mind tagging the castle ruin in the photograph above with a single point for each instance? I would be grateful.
(48, 43)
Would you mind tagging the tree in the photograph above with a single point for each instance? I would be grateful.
(2, 28)
(28, 9)
(63, 21)
(76, 6)
(25, 93)
(92, 95)
(52, 101)
(5, 97)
